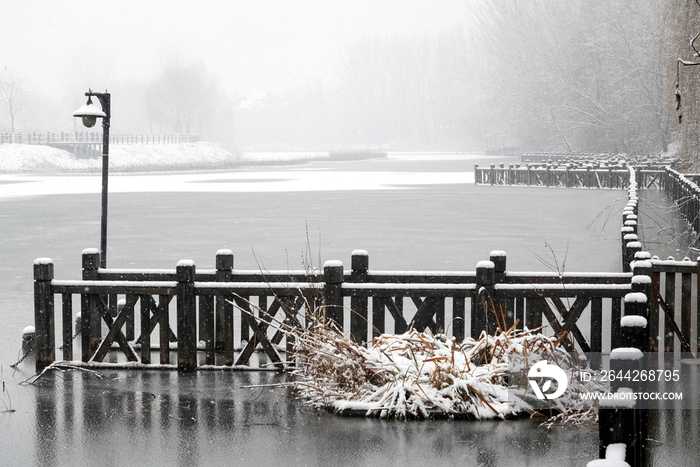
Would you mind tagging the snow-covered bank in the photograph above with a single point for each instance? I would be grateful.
(36, 158)
(123, 158)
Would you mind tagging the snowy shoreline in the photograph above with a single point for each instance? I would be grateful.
(153, 158)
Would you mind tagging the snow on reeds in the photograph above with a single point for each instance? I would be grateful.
(419, 375)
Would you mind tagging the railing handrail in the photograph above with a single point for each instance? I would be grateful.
(488, 285)
(93, 137)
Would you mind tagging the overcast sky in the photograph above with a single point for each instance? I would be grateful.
(250, 45)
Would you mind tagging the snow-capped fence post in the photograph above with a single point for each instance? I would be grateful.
(483, 316)
(642, 282)
(186, 316)
(617, 424)
(492, 174)
(633, 326)
(623, 246)
(332, 291)
(529, 171)
(628, 237)
(219, 323)
(358, 304)
(631, 248)
(505, 308)
(626, 361)
(90, 325)
(498, 258)
(44, 328)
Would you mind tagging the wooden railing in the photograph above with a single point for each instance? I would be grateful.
(685, 194)
(211, 304)
(568, 176)
(84, 137)
(639, 160)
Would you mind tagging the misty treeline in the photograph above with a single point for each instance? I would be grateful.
(576, 75)
(543, 75)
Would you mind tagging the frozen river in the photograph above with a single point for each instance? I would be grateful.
(409, 211)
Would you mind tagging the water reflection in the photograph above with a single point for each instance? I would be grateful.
(46, 427)
(234, 418)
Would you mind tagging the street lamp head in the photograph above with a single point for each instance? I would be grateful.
(89, 121)
(89, 113)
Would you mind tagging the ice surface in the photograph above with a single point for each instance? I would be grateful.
(14, 185)
(17, 160)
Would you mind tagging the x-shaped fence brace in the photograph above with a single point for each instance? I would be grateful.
(152, 313)
(569, 318)
(426, 309)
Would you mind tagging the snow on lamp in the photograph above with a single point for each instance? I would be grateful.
(89, 113)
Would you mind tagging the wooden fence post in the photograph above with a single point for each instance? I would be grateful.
(44, 328)
(332, 291)
(617, 424)
(483, 317)
(634, 432)
(633, 326)
(91, 322)
(528, 173)
(358, 304)
(505, 309)
(224, 309)
(631, 248)
(186, 316)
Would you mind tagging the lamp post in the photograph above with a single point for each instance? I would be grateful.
(89, 113)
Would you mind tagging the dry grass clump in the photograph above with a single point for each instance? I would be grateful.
(418, 375)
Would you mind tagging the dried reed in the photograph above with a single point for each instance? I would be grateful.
(419, 375)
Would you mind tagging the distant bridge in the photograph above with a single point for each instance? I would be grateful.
(89, 143)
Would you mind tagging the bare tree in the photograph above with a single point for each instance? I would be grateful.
(189, 99)
(576, 76)
(12, 95)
